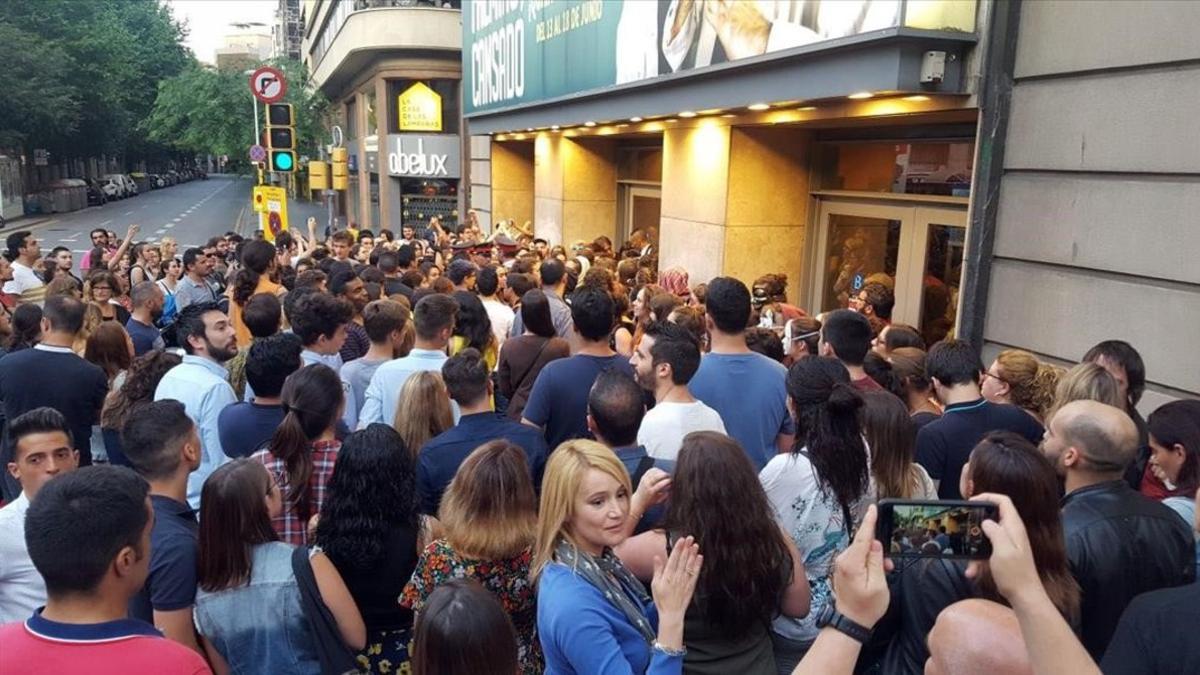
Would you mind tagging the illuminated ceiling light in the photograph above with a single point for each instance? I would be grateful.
(710, 111)
(635, 119)
(918, 97)
(499, 137)
(672, 121)
(553, 127)
(687, 113)
(807, 108)
(529, 129)
(728, 115)
(589, 123)
(759, 106)
(860, 95)
(622, 126)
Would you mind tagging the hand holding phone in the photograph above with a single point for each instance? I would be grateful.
(949, 529)
(1011, 562)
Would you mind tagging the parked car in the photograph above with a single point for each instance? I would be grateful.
(114, 186)
(130, 184)
(156, 180)
(96, 195)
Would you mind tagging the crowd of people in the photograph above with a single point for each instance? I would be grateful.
(443, 452)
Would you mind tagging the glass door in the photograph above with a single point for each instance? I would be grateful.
(916, 251)
(641, 210)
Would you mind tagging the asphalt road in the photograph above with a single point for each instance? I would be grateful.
(190, 212)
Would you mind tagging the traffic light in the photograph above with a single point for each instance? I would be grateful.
(318, 175)
(339, 169)
(281, 138)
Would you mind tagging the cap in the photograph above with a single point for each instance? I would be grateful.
(504, 241)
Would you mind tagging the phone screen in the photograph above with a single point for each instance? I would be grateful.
(935, 529)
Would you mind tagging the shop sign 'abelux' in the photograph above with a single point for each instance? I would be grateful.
(424, 155)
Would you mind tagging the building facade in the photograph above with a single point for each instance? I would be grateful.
(392, 70)
(944, 147)
(243, 50)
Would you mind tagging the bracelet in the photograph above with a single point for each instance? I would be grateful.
(658, 647)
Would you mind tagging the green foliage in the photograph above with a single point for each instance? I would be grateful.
(80, 75)
(205, 110)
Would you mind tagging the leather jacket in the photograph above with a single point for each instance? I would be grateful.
(1120, 545)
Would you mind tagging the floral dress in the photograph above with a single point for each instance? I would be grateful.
(507, 580)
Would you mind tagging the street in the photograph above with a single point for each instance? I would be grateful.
(190, 212)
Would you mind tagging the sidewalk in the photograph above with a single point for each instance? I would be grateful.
(31, 222)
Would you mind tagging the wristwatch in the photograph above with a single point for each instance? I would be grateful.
(829, 616)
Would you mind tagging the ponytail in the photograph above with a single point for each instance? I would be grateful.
(256, 258)
(244, 284)
(291, 445)
(312, 397)
(828, 427)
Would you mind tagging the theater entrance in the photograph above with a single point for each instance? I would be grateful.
(916, 248)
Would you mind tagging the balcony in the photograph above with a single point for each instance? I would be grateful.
(359, 31)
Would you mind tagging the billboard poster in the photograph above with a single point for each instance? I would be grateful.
(517, 52)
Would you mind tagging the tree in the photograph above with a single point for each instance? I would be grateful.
(205, 110)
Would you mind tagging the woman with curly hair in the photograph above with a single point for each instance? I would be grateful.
(140, 383)
(371, 531)
(1017, 377)
(752, 571)
(473, 328)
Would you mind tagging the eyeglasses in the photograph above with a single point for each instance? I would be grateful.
(987, 374)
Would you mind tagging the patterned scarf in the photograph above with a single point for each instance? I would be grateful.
(611, 578)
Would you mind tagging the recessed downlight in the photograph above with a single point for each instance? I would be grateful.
(759, 106)
(860, 95)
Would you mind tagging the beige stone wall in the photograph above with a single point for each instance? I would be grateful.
(695, 187)
(512, 181)
(768, 204)
(575, 188)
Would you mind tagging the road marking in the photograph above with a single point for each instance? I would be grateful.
(127, 213)
(161, 230)
(169, 225)
(105, 223)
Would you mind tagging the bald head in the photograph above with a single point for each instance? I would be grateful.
(1105, 436)
(977, 636)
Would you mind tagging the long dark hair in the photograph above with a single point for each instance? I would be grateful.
(535, 313)
(463, 630)
(892, 440)
(26, 327)
(141, 382)
(827, 427)
(716, 497)
(312, 399)
(1178, 422)
(472, 321)
(108, 347)
(1005, 463)
(256, 258)
(371, 493)
(233, 519)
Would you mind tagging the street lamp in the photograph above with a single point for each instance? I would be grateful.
(254, 105)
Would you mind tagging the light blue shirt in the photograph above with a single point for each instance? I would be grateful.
(200, 384)
(383, 393)
(356, 376)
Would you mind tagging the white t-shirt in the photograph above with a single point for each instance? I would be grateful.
(666, 424)
(22, 589)
(501, 316)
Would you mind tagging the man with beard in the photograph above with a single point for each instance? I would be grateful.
(664, 362)
(147, 300)
(345, 284)
(200, 384)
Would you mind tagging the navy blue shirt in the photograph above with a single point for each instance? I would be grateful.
(174, 544)
(944, 445)
(443, 454)
(631, 456)
(145, 338)
(245, 428)
(558, 401)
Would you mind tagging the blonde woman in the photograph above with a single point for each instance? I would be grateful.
(1086, 381)
(1017, 377)
(593, 615)
(489, 518)
(423, 410)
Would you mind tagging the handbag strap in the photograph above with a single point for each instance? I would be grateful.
(532, 363)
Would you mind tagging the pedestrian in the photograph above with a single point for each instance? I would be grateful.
(754, 408)
(249, 611)
(193, 286)
(819, 490)
(433, 321)
(892, 439)
(558, 401)
(488, 540)
(301, 454)
(522, 357)
(591, 610)
(163, 447)
(464, 630)
(1174, 434)
(752, 571)
(346, 285)
(199, 382)
(143, 377)
(908, 365)
(255, 276)
(245, 427)
(263, 316)
(101, 290)
(467, 378)
(1017, 377)
(23, 254)
(370, 529)
(88, 534)
(42, 450)
(385, 322)
(147, 300)
(664, 362)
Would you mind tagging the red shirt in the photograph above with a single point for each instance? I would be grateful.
(866, 384)
(124, 647)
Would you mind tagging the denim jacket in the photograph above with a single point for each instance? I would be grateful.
(260, 627)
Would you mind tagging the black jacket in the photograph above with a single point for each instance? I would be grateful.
(1121, 544)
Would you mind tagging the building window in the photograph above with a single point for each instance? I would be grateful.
(925, 168)
(372, 122)
(423, 198)
(447, 89)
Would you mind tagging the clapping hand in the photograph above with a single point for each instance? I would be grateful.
(675, 580)
(859, 583)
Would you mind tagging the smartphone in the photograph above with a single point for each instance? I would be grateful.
(913, 528)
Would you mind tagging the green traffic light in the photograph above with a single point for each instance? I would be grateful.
(284, 161)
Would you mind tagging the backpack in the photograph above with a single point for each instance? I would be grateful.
(170, 311)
